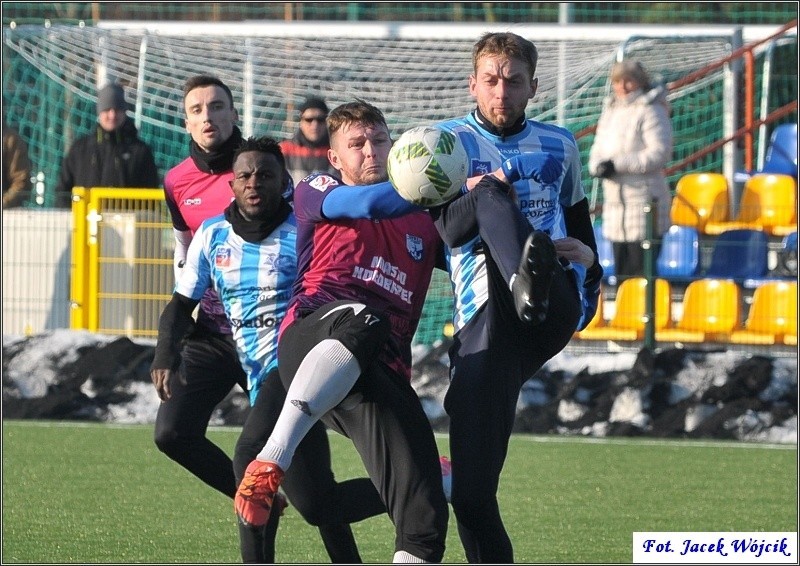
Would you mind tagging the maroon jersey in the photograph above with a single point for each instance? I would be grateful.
(192, 197)
(386, 264)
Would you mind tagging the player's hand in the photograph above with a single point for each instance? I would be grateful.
(574, 250)
(161, 380)
(540, 166)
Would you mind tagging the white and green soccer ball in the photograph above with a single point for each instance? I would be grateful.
(427, 166)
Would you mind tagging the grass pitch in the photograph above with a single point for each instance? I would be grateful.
(92, 493)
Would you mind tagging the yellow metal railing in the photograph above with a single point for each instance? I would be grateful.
(122, 248)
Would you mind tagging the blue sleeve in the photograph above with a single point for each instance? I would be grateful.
(590, 297)
(366, 201)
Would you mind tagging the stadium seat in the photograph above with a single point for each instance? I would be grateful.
(700, 198)
(679, 257)
(605, 253)
(739, 255)
(598, 321)
(628, 320)
(771, 315)
(711, 311)
(768, 203)
(790, 337)
(781, 157)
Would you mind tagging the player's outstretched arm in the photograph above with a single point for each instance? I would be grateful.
(366, 201)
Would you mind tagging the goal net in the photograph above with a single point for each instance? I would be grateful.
(416, 73)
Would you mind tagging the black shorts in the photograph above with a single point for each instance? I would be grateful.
(361, 329)
(387, 425)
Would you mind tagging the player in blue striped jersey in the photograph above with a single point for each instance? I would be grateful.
(248, 256)
(523, 263)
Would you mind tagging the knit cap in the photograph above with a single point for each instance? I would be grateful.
(111, 96)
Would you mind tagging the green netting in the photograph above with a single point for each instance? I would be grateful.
(512, 12)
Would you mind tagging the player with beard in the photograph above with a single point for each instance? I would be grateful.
(523, 262)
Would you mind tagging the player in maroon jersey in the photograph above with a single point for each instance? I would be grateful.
(345, 346)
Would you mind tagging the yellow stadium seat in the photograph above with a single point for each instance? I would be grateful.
(711, 311)
(700, 198)
(628, 320)
(598, 320)
(772, 314)
(768, 203)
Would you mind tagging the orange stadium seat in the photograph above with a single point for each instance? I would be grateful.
(771, 316)
(768, 203)
(700, 198)
(628, 320)
(711, 311)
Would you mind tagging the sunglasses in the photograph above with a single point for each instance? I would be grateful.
(320, 119)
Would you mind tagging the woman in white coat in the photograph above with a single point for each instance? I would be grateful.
(632, 145)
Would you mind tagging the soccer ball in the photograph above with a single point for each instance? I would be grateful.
(427, 166)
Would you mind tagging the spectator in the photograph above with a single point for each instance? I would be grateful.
(110, 156)
(16, 168)
(631, 148)
(307, 151)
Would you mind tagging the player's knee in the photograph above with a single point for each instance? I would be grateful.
(171, 443)
(473, 503)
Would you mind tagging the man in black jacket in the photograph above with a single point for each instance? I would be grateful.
(110, 156)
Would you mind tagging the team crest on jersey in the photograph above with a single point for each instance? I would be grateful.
(223, 257)
(414, 247)
(275, 262)
(481, 167)
(322, 182)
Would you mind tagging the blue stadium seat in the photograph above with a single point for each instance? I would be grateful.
(679, 258)
(605, 253)
(739, 255)
(781, 157)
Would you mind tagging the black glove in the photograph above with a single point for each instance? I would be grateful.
(605, 169)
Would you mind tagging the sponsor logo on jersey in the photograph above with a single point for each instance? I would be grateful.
(223, 257)
(322, 182)
(197, 201)
(481, 167)
(414, 247)
(261, 321)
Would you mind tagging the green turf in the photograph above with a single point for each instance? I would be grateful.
(77, 493)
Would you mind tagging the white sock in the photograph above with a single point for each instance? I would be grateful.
(325, 377)
(403, 557)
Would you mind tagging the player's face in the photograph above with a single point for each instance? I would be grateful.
(209, 116)
(360, 152)
(502, 87)
(111, 119)
(258, 182)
